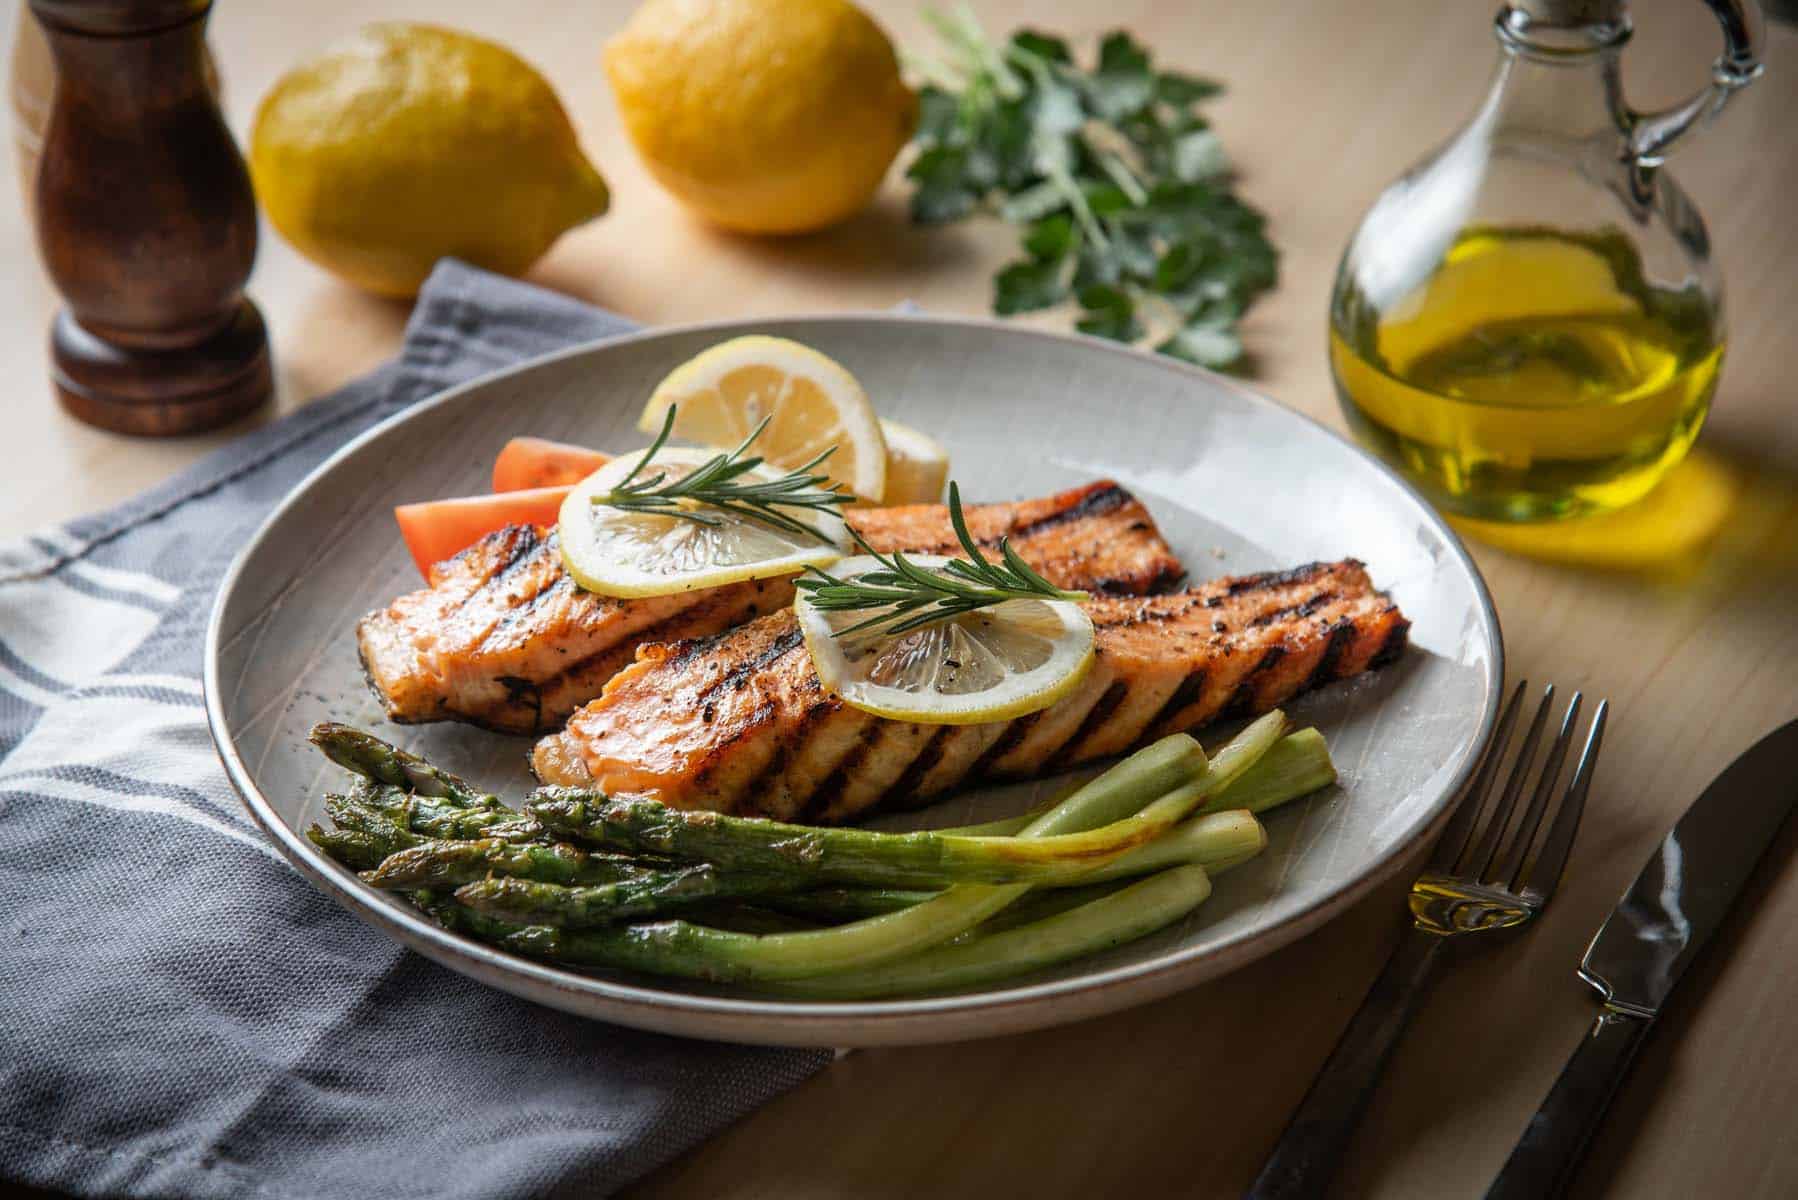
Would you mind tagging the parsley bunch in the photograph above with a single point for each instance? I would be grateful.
(1121, 186)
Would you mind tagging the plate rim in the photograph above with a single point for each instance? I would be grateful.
(778, 1021)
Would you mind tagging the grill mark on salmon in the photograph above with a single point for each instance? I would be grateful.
(915, 771)
(1302, 609)
(503, 638)
(1095, 718)
(1278, 579)
(831, 789)
(1008, 741)
(1185, 692)
(1342, 635)
(738, 675)
(1395, 640)
(524, 539)
(1159, 667)
(1242, 700)
(1097, 502)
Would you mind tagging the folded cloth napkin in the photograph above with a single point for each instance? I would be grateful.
(181, 1014)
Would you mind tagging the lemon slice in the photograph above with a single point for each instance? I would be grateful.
(812, 403)
(992, 664)
(917, 465)
(615, 552)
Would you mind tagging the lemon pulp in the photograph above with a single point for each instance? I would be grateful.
(992, 664)
(623, 553)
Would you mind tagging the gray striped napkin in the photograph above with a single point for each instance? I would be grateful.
(180, 1013)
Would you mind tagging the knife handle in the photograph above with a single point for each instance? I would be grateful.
(1542, 1164)
(1310, 1150)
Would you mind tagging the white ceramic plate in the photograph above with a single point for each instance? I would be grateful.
(1236, 482)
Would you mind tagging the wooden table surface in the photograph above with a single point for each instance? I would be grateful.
(1328, 104)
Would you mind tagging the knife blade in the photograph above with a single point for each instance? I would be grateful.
(1677, 901)
(1692, 879)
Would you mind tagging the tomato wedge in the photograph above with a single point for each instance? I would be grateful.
(438, 529)
(531, 462)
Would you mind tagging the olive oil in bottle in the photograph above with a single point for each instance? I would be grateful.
(1535, 374)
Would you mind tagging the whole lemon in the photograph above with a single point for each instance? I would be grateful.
(405, 143)
(765, 116)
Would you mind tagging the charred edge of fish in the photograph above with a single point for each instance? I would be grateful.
(521, 692)
(1396, 638)
(1339, 637)
(1099, 499)
(1244, 584)
(929, 754)
(1242, 701)
(1185, 693)
(1162, 581)
(1095, 718)
(1303, 608)
(1149, 612)
(1008, 741)
(831, 788)
(739, 673)
(1167, 579)
(686, 650)
(508, 547)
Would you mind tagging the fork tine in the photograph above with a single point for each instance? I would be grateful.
(1510, 863)
(1545, 872)
(1460, 827)
(1486, 849)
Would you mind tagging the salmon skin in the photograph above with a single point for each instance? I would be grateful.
(503, 637)
(739, 723)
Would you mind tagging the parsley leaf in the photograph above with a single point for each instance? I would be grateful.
(1122, 190)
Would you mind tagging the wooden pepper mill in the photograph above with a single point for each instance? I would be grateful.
(146, 223)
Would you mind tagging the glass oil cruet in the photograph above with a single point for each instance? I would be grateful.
(1528, 325)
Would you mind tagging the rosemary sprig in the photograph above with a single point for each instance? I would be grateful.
(718, 483)
(910, 596)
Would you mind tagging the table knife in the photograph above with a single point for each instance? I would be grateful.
(1647, 942)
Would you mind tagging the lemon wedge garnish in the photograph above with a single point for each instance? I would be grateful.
(917, 465)
(811, 403)
(617, 552)
(993, 664)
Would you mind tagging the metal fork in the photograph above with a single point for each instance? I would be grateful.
(1482, 877)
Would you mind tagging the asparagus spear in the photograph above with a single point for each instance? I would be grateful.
(835, 905)
(682, 948)
(437, 819)
(1297, 765)
(378, 819)
(369, 756)
(1216, 841)
(448, 863)
(739, 917)
(917, 859)
(531, 902)
(354, 849)
(1099, 924)
(1071, 823)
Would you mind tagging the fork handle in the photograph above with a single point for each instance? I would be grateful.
(1542, 1165)
(1310, 1150)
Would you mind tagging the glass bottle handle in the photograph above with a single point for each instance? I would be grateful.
(1650, 135)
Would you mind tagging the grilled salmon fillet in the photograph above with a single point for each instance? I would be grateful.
(503, 637)
(739, 723)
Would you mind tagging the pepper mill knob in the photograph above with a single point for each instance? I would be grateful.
(146, 223)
